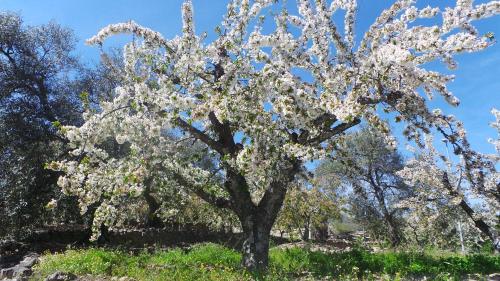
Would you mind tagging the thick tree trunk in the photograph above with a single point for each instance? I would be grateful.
(256, 219)
(256, 245)
(257, 222)
(104, 237)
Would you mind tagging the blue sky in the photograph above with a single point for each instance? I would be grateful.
(477, 82)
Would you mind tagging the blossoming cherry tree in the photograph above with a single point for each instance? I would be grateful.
(262, 105)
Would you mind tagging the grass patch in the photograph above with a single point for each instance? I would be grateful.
(215, 262)
(362, 264)
(204, 261)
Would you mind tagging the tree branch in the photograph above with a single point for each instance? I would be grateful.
(200, 135)
(226, 138)
(270, 204)
(478, 222)
(219, 202)
(334, 131)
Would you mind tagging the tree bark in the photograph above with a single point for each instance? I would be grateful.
(257, 222)
(152, 220)
(256, 245)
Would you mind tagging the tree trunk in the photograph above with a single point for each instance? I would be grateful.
(257, 222)
(306, 233)
(104, 237)
(152, 220)
(394, 234)
(256, 245)
(321, 231)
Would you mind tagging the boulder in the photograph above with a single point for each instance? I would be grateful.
(6, 273)
(22, 270)
(29, 260)
(61, 276)
(494, 277)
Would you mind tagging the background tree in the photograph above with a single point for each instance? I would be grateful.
(436, 224)
(41, 82)
(306, 209)
(35, 93)
(241, 97)
(438, 178)
(367, 168)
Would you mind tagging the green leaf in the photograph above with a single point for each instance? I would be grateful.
(85, 160)
(56, 124)
(134, 105)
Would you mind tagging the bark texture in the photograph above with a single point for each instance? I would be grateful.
(256, 244)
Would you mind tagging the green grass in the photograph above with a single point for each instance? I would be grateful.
(215, 262)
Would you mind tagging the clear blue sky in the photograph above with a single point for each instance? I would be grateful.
(477, 82)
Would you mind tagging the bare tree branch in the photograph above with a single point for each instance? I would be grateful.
(202, 136)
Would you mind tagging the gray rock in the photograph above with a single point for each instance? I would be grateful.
(61, 276)
(20, 271)
(494, 277)
(7, 273)
(29, 260)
